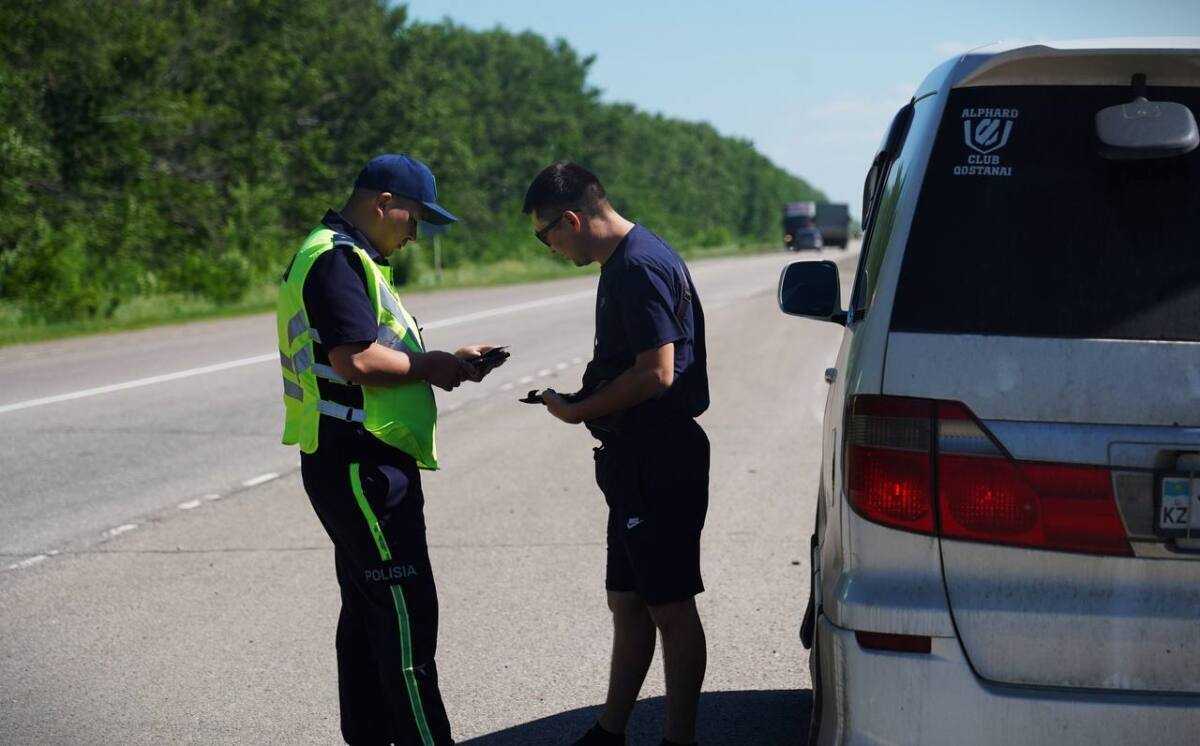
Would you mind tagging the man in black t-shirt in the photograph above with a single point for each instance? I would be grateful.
(644, 387)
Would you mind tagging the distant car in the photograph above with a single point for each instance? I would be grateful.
(1007, 541)
(803, 238)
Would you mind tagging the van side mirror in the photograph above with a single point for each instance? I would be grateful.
(1146, 129)
(812, 290)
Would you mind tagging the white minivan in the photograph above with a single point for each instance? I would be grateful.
(1007, 543)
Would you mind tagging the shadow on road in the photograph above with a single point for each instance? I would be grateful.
(746, 718)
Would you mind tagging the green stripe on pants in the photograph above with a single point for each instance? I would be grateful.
(406, 653)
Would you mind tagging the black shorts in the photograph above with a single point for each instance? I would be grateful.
(656, 485)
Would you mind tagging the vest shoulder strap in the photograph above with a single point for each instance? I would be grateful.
(341, 239)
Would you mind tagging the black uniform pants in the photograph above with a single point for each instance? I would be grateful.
(373, 510)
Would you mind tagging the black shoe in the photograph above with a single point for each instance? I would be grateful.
(597, 736)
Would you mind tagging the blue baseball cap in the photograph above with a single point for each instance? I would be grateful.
(405, 177)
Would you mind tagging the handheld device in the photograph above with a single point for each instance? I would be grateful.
(491, 359)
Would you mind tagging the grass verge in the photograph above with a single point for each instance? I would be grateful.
(149, 311)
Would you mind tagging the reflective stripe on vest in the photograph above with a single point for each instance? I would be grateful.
(340, 411)
(391, 304)
(302, 361)
(296, 326)
(388, 338)
(329, 374)
(292, 389)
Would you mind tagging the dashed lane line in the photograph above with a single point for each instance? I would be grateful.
(260, 479)
(30, 562)
(127, 527)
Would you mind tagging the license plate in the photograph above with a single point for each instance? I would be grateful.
(1178, 506)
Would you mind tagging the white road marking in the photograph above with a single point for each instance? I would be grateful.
(189, 505)
(507, 387)
(516, 307)
(213, 496)
(561, 366)
(27, 562)
(526, 379)
(576, 360)
(274, 356)
(120, 529)
(137, 383)
(543, 372)
(260, 479)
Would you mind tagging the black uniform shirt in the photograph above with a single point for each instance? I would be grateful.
(335, 291)
(644, 300)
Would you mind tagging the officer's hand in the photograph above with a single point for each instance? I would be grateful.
(444, 370)
(471, 352)
(560, 407)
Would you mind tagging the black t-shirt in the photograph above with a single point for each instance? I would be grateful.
(646, 299)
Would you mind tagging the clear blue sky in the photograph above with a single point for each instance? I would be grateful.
(812, 84)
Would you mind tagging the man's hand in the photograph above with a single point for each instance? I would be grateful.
(442, 369)
(470, 353)
(560, 407)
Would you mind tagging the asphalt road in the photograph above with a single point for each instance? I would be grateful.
(162, 576)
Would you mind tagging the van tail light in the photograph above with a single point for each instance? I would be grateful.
(889, 476)
(902, 452)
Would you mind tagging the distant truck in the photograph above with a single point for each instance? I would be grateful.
(799, 229)
(833, 220)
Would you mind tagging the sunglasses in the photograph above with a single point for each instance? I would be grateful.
(541, 235)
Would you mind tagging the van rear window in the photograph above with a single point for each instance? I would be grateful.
(1023, 229)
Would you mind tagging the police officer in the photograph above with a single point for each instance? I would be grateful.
(357, 382)
(644, 387)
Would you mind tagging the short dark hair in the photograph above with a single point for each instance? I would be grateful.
(564, 186)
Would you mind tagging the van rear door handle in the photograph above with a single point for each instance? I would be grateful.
(830, 375)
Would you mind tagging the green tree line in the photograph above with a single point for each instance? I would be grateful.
(186, 146)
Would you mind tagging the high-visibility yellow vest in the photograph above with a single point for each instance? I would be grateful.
(403, 416)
